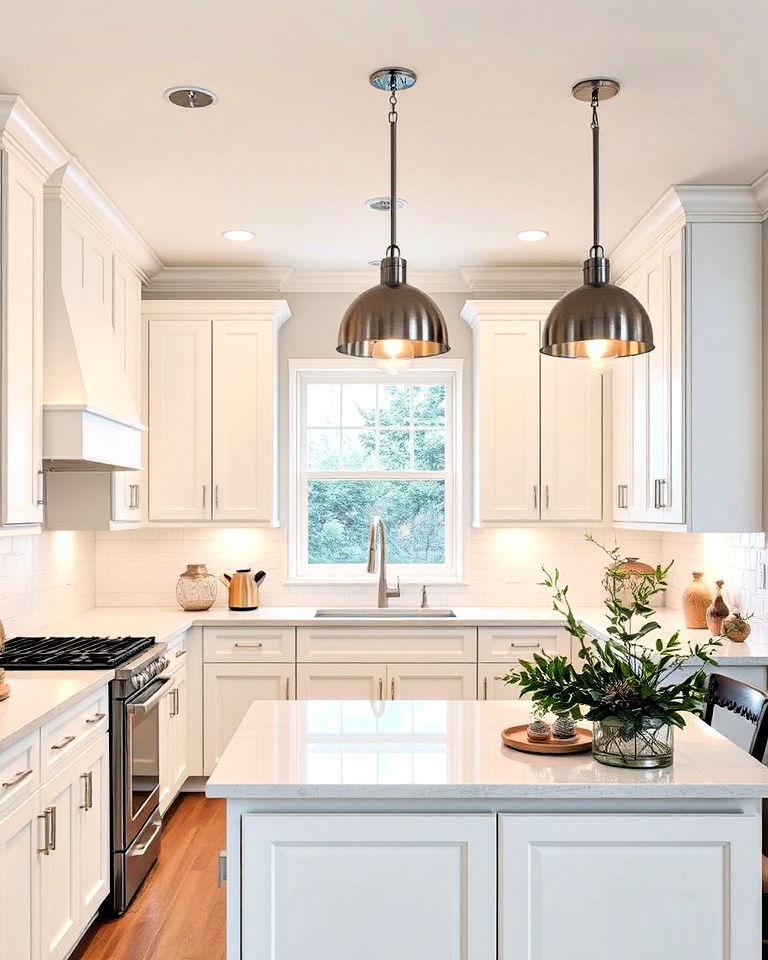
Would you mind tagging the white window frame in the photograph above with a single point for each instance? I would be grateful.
(301, 372)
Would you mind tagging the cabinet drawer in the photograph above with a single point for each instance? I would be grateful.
(65, 736)
(509, 644)
(177, 654)
(19, 771)
(382, 644)
(249, 644)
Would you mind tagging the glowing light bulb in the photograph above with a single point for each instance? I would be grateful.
(393, 356)
(598, 349)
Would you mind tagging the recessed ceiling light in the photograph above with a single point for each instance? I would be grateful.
(190, 97)
(239, 236)
(531, 236)
(382, 203)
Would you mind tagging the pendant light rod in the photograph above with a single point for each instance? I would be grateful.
(393, 167)
(596, 245)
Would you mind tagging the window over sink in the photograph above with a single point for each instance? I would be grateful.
(364, 443)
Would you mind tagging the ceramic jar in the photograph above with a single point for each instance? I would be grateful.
(696, 599)
(196, 588)
(629, 572)
(735, 628)
(717, 611)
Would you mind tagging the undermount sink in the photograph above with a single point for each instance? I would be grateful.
(384, 613)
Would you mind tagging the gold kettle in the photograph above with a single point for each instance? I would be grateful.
(243, 587)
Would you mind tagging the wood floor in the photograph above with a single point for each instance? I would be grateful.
(179, 912)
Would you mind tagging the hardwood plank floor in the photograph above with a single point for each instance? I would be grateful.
(179, 913)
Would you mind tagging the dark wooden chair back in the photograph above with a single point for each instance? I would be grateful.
(745, 701)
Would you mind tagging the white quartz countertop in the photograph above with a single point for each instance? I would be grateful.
(38, 695)
(164, 622)
(435, 749)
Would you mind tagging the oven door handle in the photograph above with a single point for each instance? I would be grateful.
(144, 706)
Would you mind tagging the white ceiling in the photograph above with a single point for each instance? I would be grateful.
(491, 141)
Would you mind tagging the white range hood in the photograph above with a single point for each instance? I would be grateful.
(90, 418)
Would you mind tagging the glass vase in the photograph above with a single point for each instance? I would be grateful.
(619, 745)
(196, 588)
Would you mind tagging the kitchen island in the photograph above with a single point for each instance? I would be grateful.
(406, 829)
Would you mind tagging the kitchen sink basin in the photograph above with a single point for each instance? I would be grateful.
(384, 613)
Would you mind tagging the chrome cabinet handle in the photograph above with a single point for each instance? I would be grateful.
(131, 496)
(205, 494)
(180, 653)
(46, 818)
(485, 688)
(87, 779)
(64, 743)
(40, 488)
(16, 778)
(287, 688)
(52, 840)
(535, 497)
(221, 869)
(175, 702)
(546, 496)
(249, 644)
(663, 494)
(622, 496)
(138, 495)
(392, 689)
(216, 495)
(526, 646)
(96, 717)
(381, 688)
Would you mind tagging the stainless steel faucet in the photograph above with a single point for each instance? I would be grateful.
(384, 592)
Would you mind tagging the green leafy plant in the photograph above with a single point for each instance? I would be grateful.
(628, 676)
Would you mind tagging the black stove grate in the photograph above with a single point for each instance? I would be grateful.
(71, 653)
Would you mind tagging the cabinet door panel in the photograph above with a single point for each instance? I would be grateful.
(180, 720)
(571, 441)
(341, 681)
(431, 681)
(507, 421)
(659, 387)
(22, 341)
(228, 690)
(411, 887)
(180, 418)
(623, 867)
(126, 323)
(243, 405)
(60, 869)
(20, 882)
(93, 843)
(491, 686)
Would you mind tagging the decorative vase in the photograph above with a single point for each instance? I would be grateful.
(564, 727)
(717, 611)
(735, 628)
(196, 588)
(696, 598)
(630, 572)
(619, 744)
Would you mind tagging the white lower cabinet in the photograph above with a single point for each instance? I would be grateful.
(319, 886)
(92, 827)
(386, 681)
(341, 681)
(20, 882)
(228, 690)
(174, 738)
(432, 681)
(490, 683)
(594, 887)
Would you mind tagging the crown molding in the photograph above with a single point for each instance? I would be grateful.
(760, 193)
(24, 133)
(541, 279)
(685, 203)
(274, 311)
(474, 312)
(234, 281)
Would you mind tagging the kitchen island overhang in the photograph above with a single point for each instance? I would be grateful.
(378, 815)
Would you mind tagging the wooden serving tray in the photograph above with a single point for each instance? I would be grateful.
(517, 739)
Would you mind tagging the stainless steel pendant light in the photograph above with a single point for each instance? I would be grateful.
(598, 320)
(393, 322)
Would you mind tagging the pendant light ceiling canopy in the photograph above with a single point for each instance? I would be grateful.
(393, 322)
(598, 320)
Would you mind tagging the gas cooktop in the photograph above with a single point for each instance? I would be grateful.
(70, 653)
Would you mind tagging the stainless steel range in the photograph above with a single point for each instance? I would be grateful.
(134, 724)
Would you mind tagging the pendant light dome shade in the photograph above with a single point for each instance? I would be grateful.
(393, 310)
(597, 320)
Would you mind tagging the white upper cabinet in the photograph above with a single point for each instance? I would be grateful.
(538, 452)
(692, 407)
(180, 419)
(571, 441)
(212, 409)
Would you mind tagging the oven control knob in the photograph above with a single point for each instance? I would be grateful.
(135, 682)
